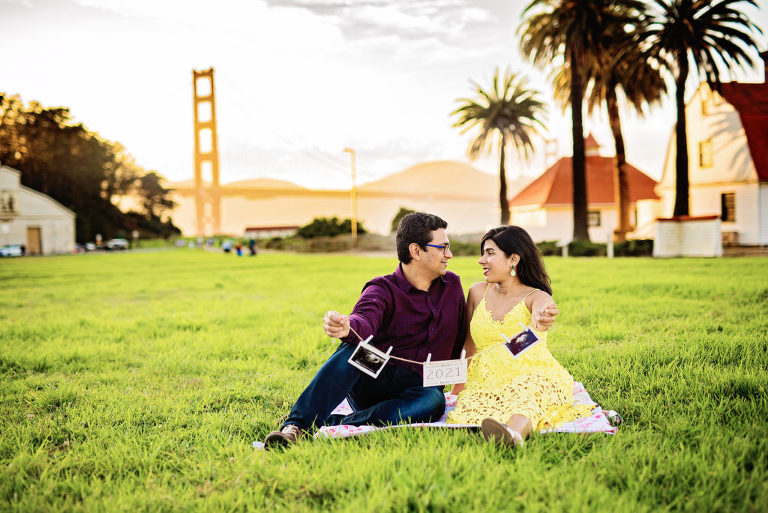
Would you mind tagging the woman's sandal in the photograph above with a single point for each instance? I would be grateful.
(500, 434)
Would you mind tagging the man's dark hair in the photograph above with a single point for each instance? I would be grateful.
(416, 227)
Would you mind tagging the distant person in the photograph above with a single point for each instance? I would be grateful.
(239, 249)
(510, 396)
(418, 309)
(226, 246)
(252, 247)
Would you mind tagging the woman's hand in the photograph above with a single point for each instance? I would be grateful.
(543, 318)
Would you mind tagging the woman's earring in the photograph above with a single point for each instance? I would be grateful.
(512, 272)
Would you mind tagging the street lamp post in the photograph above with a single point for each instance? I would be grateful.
(354, 197)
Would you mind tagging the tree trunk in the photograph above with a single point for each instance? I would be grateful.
(580, 231)
(620, 179)
(681, 157)
(503, 201)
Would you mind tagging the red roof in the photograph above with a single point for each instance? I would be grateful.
(751, 102)
(555, 186)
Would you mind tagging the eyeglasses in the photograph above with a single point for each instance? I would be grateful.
(445, 247)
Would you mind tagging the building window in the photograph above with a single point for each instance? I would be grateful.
(8, 202)
(593, 218)
(728, 207)
(705, 153)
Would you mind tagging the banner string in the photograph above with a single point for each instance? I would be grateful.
(421, 363)
(391, 356)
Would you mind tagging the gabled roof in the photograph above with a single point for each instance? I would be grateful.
(751, 102)
(555, 185)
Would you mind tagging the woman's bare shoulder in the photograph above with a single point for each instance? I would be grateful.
(478, 288)
(476, 291)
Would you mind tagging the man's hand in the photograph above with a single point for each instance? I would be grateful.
(335, 324)
(543, 318)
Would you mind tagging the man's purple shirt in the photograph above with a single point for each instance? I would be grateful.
(412, 321)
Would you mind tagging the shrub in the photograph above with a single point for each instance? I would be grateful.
(327, 227)
(459, 248)
(584, 248)
(634, 247)
(400, 214)
(549, 247)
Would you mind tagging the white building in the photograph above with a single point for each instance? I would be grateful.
(728, 161)
(545, 207)
(34, 220)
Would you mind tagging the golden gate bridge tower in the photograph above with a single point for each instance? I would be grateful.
(207, 188)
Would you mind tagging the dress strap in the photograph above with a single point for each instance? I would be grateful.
(486, 290)
(531, 292)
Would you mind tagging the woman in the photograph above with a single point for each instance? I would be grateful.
(510, 396)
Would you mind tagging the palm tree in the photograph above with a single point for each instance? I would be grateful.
(508, 109)
(708, 34)
(568, 31)
(620, 67)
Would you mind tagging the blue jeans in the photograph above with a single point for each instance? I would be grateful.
(396, 395)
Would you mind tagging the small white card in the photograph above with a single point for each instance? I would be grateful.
(369, 359)
(445, 372)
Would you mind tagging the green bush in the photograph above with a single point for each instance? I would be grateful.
(635, 247)
(273, 243)
(320, 245)
(459, 248)
(400, 214)
(585, 248)
(549, 248)
(327, 227)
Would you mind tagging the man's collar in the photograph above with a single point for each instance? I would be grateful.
(405, 285)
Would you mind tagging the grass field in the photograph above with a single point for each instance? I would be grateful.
(137, 381)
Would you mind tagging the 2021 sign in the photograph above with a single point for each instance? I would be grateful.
(445, 372)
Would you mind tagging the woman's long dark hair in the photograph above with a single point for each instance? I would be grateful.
(530, 269)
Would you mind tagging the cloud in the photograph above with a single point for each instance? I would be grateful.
(410, 19)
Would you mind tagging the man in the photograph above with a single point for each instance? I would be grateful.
(417, 310)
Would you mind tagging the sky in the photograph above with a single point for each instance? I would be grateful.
(297, 81)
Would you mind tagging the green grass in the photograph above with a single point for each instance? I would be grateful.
(137, 381)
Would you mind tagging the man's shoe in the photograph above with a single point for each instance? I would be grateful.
(289, 435)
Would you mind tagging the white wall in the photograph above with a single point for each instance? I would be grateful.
(707, 201)
(56, 223)
(732, 171)
(691, 238)
(558, 223)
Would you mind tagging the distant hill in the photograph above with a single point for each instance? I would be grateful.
(442, 175)
(256, 183)
(265, 183)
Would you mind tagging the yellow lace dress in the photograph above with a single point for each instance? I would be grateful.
(534, 384)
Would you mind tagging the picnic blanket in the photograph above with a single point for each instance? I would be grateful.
(600, 421)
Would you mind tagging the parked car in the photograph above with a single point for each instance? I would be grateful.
(11, 250)
(117, 244)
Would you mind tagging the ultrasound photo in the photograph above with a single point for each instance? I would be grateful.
(521, 342)
(368, 359)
